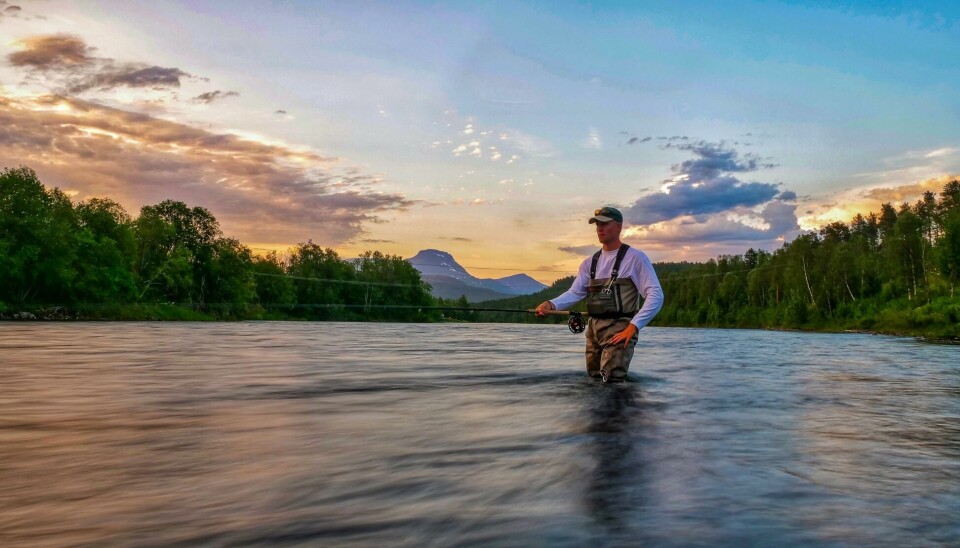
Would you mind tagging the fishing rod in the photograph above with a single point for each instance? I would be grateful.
(576, 324)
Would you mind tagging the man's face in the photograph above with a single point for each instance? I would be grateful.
(608, 232)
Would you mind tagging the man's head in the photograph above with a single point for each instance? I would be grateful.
(609, 222)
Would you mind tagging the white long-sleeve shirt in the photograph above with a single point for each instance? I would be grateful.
(636, 266)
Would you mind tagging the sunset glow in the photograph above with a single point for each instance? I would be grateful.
(484, 130)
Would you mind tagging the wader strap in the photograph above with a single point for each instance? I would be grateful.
(616, 264)
(593, 265)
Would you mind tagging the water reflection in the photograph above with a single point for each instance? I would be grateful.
(614, 486)
(268, 434)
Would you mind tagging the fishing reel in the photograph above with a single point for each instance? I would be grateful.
(576, 324)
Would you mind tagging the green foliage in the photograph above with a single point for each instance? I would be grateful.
(37, 239)
(173, 263)
(895, 271)
(106, 247)
(274, 289)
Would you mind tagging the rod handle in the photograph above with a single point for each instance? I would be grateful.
(559, 312)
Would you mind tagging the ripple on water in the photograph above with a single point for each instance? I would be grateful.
(302, 433)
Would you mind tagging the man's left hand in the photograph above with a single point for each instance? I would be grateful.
(624, 336)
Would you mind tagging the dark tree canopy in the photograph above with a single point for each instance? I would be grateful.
(895, 270)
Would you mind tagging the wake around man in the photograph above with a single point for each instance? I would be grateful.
(613, 281)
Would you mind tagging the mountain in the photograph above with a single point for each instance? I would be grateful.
(452, 288)
(521, 284)
(449, 280)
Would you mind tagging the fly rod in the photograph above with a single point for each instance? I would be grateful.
(576, 323)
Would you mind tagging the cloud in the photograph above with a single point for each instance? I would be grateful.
(593, 140)
(212, 96)
(941, 152)
(909, 192)
(9, 11)
(69, 65)
(259, 191)
(714, 158)
(774, 224)
(703, 186)
(915, 165)
(846, 204)
(632, 140)
(130, 75)
(704, 207)
(476, 142)
(580, 250)
(52, 52)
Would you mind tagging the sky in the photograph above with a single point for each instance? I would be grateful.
(490, 130)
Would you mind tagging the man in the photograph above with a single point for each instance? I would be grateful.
(612, 281)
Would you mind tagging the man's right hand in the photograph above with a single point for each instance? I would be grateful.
(545, 307)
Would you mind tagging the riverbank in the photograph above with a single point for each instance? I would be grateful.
(937, 334)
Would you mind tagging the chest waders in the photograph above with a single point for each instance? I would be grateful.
(610, 302)
(612, 298)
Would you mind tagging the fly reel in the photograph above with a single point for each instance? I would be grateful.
(576, 324)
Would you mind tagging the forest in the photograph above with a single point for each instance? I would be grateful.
(892, 271)
(91, 260)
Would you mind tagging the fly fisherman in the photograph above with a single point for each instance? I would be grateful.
(614, 281)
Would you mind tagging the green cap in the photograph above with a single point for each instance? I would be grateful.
(606, 214)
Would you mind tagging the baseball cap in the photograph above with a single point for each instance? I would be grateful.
(606, 214)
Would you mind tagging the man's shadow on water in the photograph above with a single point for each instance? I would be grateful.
(615, 487)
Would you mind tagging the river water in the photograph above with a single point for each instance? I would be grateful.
(274, 434)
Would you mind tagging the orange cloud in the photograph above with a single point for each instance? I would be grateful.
(849, 203)
(908, 193)
(54, 51)
(258, 191)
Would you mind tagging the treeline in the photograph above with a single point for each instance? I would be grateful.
(894, 271)
(93, 260)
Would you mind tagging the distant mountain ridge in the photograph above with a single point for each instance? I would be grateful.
(449, 280)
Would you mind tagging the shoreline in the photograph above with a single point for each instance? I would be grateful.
(60, 315)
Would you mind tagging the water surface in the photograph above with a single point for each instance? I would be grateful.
(272, 434)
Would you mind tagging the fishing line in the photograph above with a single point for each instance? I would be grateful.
(568, 272)
(335, 281)
(664, 277)
(576, 323)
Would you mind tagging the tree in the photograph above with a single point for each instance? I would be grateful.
(229, 277)
(273, 286)
(37, 240)
(888, 217)
(321, 280)
(176, 243)
(904, 252)
(106, 248)
(390, 280)
(949, 244)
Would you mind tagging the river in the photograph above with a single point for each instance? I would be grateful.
(296, 433)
